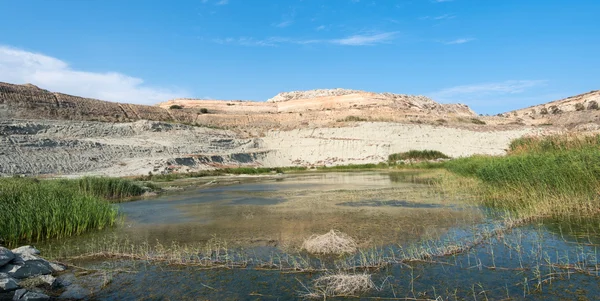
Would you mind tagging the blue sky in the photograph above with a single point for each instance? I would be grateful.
(494, 55)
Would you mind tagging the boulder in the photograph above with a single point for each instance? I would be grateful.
(6, 256)
(43, 281)
(25, 295)
(75, 292)
(7, 283)
(27, 253)
(27, 269)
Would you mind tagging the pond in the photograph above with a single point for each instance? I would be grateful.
(243, 242)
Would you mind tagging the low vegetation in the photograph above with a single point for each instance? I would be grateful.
(340, 285)
(352, 119)
(418, 155)
(219, 172)
(550, 176)
(175, 107)
(332, 243)
(32, 210)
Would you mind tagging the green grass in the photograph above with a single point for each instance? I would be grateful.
(31, 210)
(220, 172)
(418, 155)
(108, 188)
(551, 176)
(355, 166)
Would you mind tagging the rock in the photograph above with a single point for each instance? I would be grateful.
(65, 280)
(25, 295)
(75, 292)
(43, 281)
(26, 250)
(7, 283)
(6, 256)
(27, 269)
(57, 267)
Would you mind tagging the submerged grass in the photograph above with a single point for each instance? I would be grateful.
(32, 210)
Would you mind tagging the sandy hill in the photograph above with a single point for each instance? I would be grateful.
(43, 132)
(580, 112)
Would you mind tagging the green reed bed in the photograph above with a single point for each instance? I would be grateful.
(108, 188)
(31, 210)
(556, 176)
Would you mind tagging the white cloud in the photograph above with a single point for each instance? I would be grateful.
(459, 41)
(19, 66)
(355, 40)
(478, 91)
(319, 28)
(441, 17)
(368, 39)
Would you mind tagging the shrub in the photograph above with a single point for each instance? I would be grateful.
(353, 118)
(593, 105)
(543, 111)
(204, 110)
(418, 154)
(579, 107)
(478, 121)
(175, 107)
(555, 110)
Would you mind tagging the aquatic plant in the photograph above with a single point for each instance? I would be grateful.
(332, 243)
(108, 188)
(556, 175)
(339, 285)
(31, 210)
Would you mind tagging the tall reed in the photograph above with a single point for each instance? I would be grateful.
(554, 175)
(32, 210)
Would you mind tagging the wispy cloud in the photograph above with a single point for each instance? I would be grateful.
(437, 18)
(366, 39)
(459, 41)
(477, 91)
(219, 2)
(319, 28)
(354, 40)
(20, 66)
(283, 24)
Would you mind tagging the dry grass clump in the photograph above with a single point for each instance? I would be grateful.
(340, 285)
(332, 243)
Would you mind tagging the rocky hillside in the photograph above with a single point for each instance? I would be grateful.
(30, 102)
(318, 108)
(43, 132)
(580, 112)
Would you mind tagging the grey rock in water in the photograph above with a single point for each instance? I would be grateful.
(27, 269)
(27, 253)
(25, 295)
(56, 267)
(6, 256)
(75, 292)
(7, 283)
